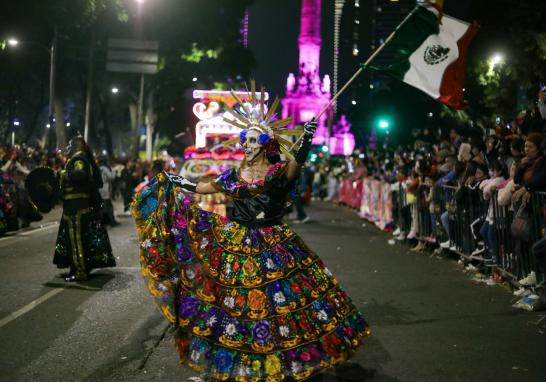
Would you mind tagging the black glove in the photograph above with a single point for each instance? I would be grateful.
(184, 183)
(305, 144)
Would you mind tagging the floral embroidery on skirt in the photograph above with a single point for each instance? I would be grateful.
(251, 304)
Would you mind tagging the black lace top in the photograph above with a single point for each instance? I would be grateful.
(257, 204)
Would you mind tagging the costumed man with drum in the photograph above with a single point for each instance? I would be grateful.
(82, 242)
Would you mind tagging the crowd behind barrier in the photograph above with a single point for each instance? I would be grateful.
(437, 216)
(478, 193)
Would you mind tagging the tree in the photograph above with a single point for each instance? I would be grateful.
(515, 31)
(34, 24)
(84, 27)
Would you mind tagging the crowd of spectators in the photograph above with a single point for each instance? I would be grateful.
(121, 177)
(476, 171)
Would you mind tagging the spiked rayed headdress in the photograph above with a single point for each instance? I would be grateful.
(251, 114)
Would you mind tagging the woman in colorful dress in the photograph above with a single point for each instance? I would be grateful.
(249, 299)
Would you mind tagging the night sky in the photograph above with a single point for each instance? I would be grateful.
(273, 37)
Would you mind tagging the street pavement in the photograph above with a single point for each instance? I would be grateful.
(429, 321)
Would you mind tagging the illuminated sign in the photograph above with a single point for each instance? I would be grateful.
(211, 110)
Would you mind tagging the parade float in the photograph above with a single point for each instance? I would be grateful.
(209, 156)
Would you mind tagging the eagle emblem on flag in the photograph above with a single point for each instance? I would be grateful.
(435, 54)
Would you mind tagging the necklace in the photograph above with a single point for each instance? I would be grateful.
(255, 174)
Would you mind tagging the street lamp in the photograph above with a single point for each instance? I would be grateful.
(384, 124)
(496, 60)
(13, 42)
(115, 90)
(15, 123)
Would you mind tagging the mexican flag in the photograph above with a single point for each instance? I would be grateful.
(430, 54)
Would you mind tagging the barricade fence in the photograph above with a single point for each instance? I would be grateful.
(458, 217)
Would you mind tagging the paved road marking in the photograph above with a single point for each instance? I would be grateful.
(27, 308)
(7, 237)
(42, 228)
(28, 233)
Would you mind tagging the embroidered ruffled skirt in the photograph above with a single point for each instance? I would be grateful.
(249, 304)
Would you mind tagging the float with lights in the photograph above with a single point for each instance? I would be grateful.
(209, 156)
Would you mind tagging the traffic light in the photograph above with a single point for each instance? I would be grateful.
(383, 123)
(324, 148)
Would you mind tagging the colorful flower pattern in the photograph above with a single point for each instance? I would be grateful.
(252, 304)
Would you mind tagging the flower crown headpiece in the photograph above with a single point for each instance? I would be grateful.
(252, 115)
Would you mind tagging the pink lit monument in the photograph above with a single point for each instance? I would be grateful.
(307, 94)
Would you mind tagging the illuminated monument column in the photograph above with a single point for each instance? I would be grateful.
(307, 94)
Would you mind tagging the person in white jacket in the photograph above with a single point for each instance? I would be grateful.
(504, 196)
(106, 192)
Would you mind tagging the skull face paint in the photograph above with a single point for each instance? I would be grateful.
(252, 145)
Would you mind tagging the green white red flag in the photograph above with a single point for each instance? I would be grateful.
(430, 53)
(437, 4)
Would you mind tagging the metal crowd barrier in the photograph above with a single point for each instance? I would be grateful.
(425, 226)
(466, 212)
(538, 209)
(515, 256)
(428, 217)
(503, 216)
(401, 210)
(466, 218)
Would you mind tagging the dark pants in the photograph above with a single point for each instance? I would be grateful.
(108, 212)
(539, 252)
(444, 219)
(127, 194)
(298, 203)
(489, 236)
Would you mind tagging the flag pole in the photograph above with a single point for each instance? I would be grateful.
(357, 73)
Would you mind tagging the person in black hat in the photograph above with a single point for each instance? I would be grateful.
(82, 241)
